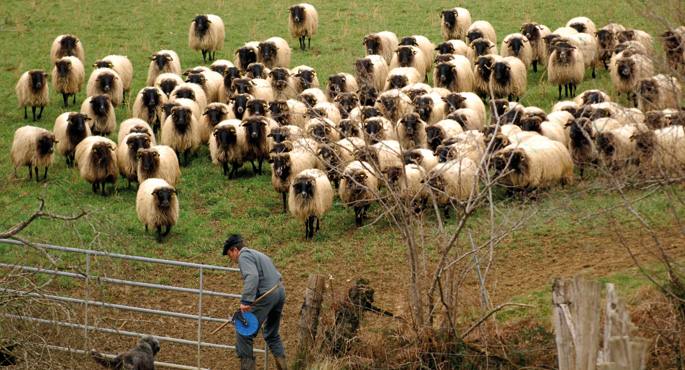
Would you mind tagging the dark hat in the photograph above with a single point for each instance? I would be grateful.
(233, 241)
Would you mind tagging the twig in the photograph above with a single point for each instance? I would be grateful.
(490, 313)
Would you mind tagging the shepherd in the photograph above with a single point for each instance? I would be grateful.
(263, 295)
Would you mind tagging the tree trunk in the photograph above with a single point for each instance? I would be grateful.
(309, 319)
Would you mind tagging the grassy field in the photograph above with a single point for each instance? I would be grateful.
(570, 229)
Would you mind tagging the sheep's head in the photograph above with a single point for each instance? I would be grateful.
(349, 128)
(298, 14)
(474, 35)
(246, 55)
(76, 127)
(434, 135)
(413, 156)
(414, 91)
(481, 46)
(444, 153)
(231, 74)
(454, 101)
(645, 142)
(502, 73)
(67, 45)
(390, 102)
(606, 144)
(279, 134)
(201, 24)
(196, 78)
(283, 147)
(137, 141)
(461, 118)
(449, 18)
(306, 78)
(593, 97)
(308, 99)
(100, 105)
(409, 40)
(219, 68)
(672, 41)
(63, 67)
(579, 132)
(319, 130)
(655, 119)
(268, 51)
(366, 154)
(514, 160)
(625, 68)
(531, 124)
(367, 95)
(161, 60)
(37, 79)
(627, 35)
(398, 81)
(215, 114)
(328, 156)
(373, 127)
(435, 181)
(46, 144)
(499, 106)
(102, 154)
(105, 81)
(257, 107)
(103, 64)
(564, 53)
(363, 67)
(579, 26)
(168, 85)
(181, 117)
(282, 166)
(516, 44)
(336, 84)
(484, 66)
(151, 98)
(445, 48)
(356, 181)
(370, 111)
(256, 70)
(316, 112)
(412, 124)
(304, 187)
(406, 55)
(393, 174)
(148, 159)
(346, 102)
(445, 74)
(372, 43)
(184, 92)
(255, 128)
(167, 107)
(280, 111)
(279, 77)
(648, 89)
(549, 41)
(242, 85)
(239, 104)
(531, 31)
(164, 197)
(605, 38)
(423, 105)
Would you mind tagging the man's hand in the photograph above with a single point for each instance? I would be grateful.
(245, 308)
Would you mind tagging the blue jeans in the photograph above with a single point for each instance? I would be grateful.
(268, 312)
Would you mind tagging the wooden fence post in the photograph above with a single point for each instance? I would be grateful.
(309, 319)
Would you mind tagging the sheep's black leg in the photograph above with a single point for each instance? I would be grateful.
(358, 217)
(95, 187)
(284, 196)
(317, 224)
(306, 229)
(25, 113)
(593, 73)
(559, 92)
(30, 172)
(261, 160)
(35, 170)
(73, 98)
(146, 228)
(310, 42)
(574, 89)
(33, 111)
(234, 169)
(204, 54)
(40, 113)
(254, 168)
(446, 210)
(159, 234)
(167, 231)
(535, 66)
(65, 99)
(45, 174)
(225, 168)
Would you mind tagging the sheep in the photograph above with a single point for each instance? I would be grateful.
(122, 66)
(468, 118)
(32, 91)
(182, 102)
(237, 105)
(105, 81)
(67, 78)
(455, 75)
(430, 107)
(127, 154)
(221, 66)
(587, 44)
(207, 33)
(481, 29)
(393, 104)
(533, 164)
(674, 46)
(257, 87)
(70, 129)
(411, 131)
(210, 81)
(312, 96)
(410, 56)
(450, 182)
(321, 129)
(335, 156)
(382, 43)
(227, 146)
(349, 128)
(180, 131)
(97, 162)
(569, 106)
(303, 23)
(282, 84)
(548, 129)
(325, 110)
(163, 61)
(100, 109)
(418, 89)
(482, 72)
(517, 45)
(190, 91)
(657, 119)
(274, 52)
(454, 47)
(158, 161)
(281, 112)
(33, 147)
(582, 134)
(505, 112)
(213, 114)
(340, 83)
(607, 41)
(440, 131)
(463, 100)
(629, 70)
(535, 34)
(358, 189)
(615, 147)
(310, 196)
(469, 144)
(640, 36)
(135, 125)
(566, 67)
(376, 129)
(305, 78)
(282, 134)
(582, 25)
(421, 157)
(285, 166)
(482, 46)
(588, 97)
(454, 23)
(67, 46)
(509, 78)
(560, 118)
(424, 44)
(167, 82)
(157, 206)
(257, 130)
(382, 155)
(246, 54)
(661, 150)
(148, 106)
(658, 92)
(401, 77)
(346, 102)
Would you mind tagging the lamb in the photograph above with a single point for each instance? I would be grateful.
(640, 36)
(410, 56)
(33, 147)
(105, 81)
(180, 131)
(481, 29)
(517, 45)
(548, 129)
(661, 150)
(509, 78)
(70, 129)
(99, 108)
(67, 78)
(227, 146)
(274, 52)
(122, 66)
(322, 130)
(210, 81)
(32, 91)
(566, 67)
(658, 92)
(358, 189)
(382, 43)
(157, 206)
(190, 91)
(148, 106)
(377, 129)
(615, 147)
(465, 100)
(346, 103)
(303, 23)
(582, 25)
(482, 46)
(455, 23)
(607, 41)
(207, 34)
(305, 78)
(340, 83)
(67, 46)
(213, 114)
(127, 155)
(158, 161)
(286, 166)
(282, 84)
(411, 131)
(430, 107)
(310, 196)
(629, 70)
(167, 82)
(393, 104)
(257, 129)
(97, 162)
(141, 357)
(533, 164)
(442, 130)
(421, 157)
(535, 34)
(424, 44)
(163, 61)
(401, 77)
(455, 75)
(135, 125)
(451, 182)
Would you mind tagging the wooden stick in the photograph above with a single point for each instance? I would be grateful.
(230, 321)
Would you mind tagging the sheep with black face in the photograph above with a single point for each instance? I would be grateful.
(517, 45)
(382, 43)
(157, 206)
(67, 78)
(100, 109)
(393, 104)
(33, 147)
(535, 33)
(658, 92)
(227, 146)
(341, 83)
(358, 189)
(207, 34)
(106, 81)
(482, 72)
(440, 131)
(122, 66)
(509, 78)
(481, 29)
(163, 61)
(565, 67)
(455, 23)
(213, 114)
(346, 102)
(97, 162)
(371, 70)
(32, 91)
(455, 75)
(237, 106)
(158, 161)
(274, 52)
(70, 129)
(246, 54)
(411, 131)
(257, 130)
(148, 106)
(305, 78)
(430, 107)
(180, 131)
(282, 83)
(285, 166)
(411, 56)
(127, 155)
(303, 23)
(310, 196)
(67, 46)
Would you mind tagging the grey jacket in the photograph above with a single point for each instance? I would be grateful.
(259, 274)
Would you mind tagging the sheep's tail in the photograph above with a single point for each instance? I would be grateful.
(112, 363)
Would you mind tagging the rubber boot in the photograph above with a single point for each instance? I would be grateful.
(281, 363)
(247, 363)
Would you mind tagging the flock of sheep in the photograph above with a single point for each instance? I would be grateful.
(378, 130)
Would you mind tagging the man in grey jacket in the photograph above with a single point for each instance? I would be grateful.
(263, 295)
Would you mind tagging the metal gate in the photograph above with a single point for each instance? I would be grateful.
(87, 277)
